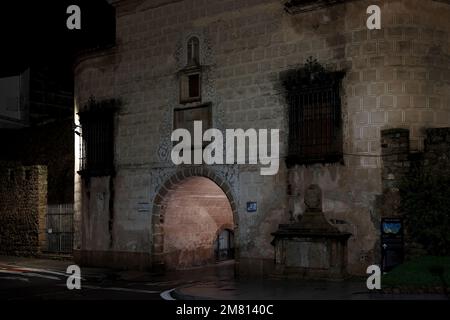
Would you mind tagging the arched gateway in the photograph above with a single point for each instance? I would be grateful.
(190, 213)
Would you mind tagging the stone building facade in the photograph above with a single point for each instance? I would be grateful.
(395, 77)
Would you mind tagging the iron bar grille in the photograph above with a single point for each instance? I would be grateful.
(60, 228)
(97, 150)
(315, 125)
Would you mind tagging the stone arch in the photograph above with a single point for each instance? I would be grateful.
(160, 206)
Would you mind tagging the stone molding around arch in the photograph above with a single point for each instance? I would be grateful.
(160, 206)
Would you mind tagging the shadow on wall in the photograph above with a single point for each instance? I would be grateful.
(51, 145)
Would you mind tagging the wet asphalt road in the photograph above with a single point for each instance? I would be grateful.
(20, 287)
(27, 279)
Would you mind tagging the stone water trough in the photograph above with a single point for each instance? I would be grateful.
(311, 248)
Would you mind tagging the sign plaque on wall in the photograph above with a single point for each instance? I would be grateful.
(251, 206)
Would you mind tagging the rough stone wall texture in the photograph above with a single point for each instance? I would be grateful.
(396, 156)
(395, 77)
(395, 145)
(437, 150)
(23, 205)
(50, 145)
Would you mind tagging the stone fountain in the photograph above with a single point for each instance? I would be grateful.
(311, 247)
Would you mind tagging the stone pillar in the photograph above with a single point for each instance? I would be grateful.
(437, 150)
(396, 167)
(395, 152)
(41, 176)
(23, 208)
(396, 164)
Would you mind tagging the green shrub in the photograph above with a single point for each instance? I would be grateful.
(426, 207)
(420, 272)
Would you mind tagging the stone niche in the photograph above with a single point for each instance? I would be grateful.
(311, 247)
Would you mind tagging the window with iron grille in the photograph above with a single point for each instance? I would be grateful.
(97, 149)
(315, 123)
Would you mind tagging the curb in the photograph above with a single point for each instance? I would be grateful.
(179, 295)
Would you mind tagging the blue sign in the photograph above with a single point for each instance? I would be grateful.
(251, 207)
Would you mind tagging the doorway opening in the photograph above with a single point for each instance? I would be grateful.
(197, 225)
(224, 245)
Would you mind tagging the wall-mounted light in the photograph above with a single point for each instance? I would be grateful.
(75, 127)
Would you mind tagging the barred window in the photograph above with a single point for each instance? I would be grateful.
(315, 123)
(97, 154)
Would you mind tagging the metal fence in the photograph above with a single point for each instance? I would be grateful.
(60, 228)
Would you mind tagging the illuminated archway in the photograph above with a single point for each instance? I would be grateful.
(190, 211)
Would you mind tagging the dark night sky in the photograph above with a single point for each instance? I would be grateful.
(35, 32)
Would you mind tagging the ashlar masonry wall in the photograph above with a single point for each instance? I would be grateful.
(396, 77)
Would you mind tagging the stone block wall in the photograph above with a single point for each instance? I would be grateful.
(50, 145)
(437, 150)
(395, 77)
(23, 205)
(395, 145)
